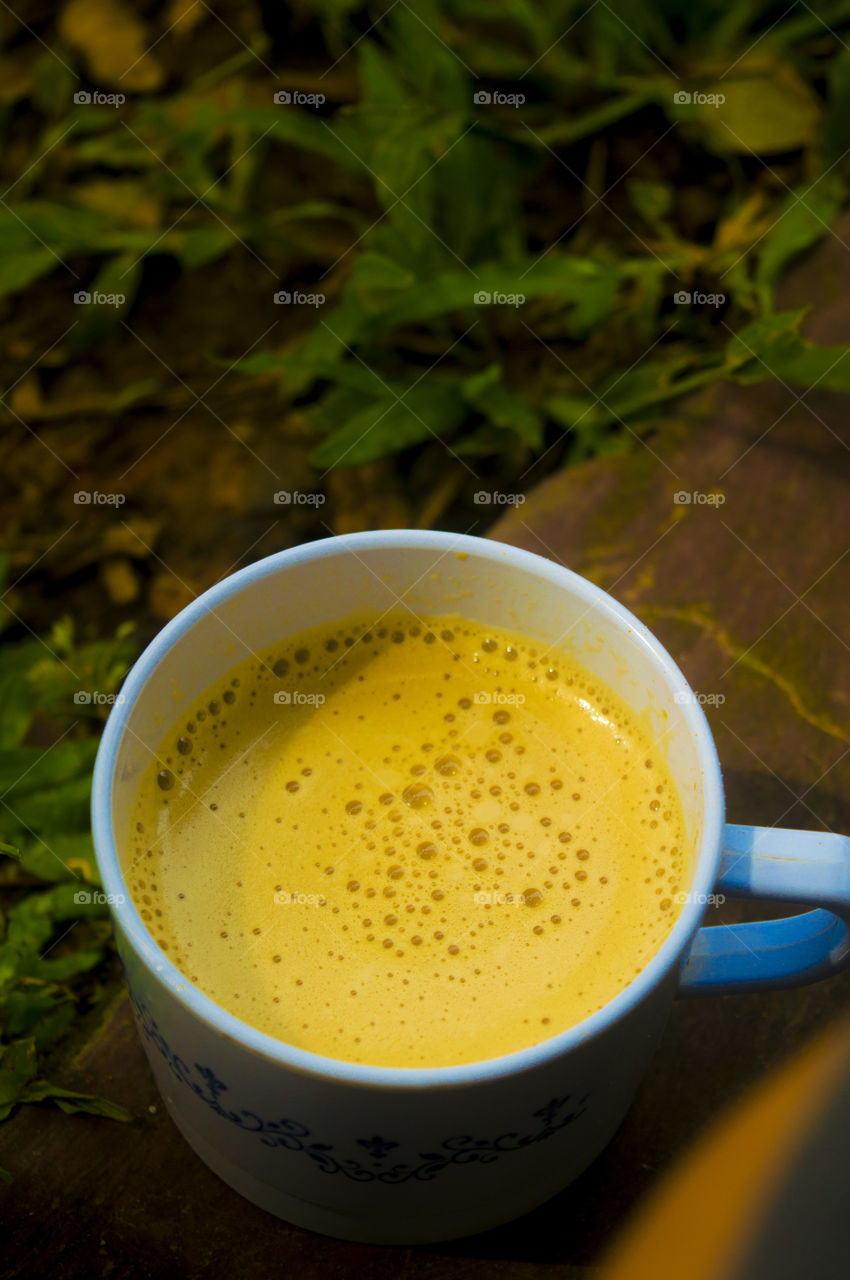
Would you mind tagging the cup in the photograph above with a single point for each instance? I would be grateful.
(409, 1155)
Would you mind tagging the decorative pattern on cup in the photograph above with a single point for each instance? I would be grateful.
(554, 1115)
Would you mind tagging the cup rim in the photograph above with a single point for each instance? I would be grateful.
(228, 1025)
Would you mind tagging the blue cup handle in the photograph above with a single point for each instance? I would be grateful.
(791, 866)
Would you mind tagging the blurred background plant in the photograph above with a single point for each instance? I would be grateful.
(597, 161)
(270, 271)
(57, 964)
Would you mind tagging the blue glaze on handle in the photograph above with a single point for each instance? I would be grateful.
(788, 866)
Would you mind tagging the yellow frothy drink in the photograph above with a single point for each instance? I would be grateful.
(411, 842)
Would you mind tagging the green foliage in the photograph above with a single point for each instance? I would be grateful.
(54, 930)
(660, 146)
(451, 184)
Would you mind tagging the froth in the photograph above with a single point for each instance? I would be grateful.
(408, 845)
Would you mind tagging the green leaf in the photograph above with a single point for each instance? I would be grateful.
(571, 410)
(117, 279)
(53, 82)
(478, 383)
(15, 709)
(28, 1002)
(503, 409)
(27, 769)
(632, 34)
(762, 349)
(509, 412)
(350, 374)
(428, 67)
(20, 267)
(67, 858)
(53, 1026)
(582, 124)
(196, 246)
(327, 343)
(649, 383)
(773, 348)
(65, 806)
(72, 1103)
(652, 200)
(761, 115)
(586, 289)
(803, 219)
(299, 128)
(18, 1066)
(62, 968)
(387, 426)
(66, 228)
(146, 389)
(311, 211)
(622, 398)
(827, 368)
(380, 85)
(376, 278)
(341, 403)
(113, 148)
(36, 916)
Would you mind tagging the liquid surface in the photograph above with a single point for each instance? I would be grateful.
(419, 843)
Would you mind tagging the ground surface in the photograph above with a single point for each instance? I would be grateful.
(752, 598)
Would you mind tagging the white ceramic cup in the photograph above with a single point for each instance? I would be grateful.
(404, 1155)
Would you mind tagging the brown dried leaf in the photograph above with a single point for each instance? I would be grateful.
(169, 594)
(128, 202)
(134, 537)
(182, 16)
(120, 580)
(15, 79)
(744, 225)
(113, 43)
(366, 497)
(28, 403)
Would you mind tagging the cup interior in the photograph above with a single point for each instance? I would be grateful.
(425, 573)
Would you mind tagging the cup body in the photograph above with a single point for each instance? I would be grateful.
(384, 1154)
